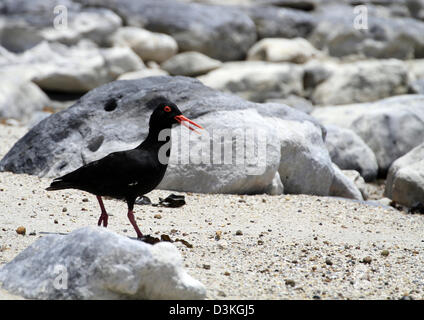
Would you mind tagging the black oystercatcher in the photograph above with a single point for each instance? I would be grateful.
(132, 173)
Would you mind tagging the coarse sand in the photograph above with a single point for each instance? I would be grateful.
(244, 247)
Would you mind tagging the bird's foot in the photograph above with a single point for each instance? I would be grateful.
(103, 219)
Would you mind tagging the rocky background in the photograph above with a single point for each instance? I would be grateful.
(341, 107)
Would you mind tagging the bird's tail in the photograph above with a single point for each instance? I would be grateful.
(59, 185)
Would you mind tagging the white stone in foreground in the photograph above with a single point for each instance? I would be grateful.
(94, 263)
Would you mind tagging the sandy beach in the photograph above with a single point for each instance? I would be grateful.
(244, 247)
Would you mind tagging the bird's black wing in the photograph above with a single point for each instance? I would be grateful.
(111, 174)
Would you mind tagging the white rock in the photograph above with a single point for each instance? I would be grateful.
(344, 186)
(119, 61)
(359, 182)
(296, 50)
(256, 80)
(363, 81)
(25, 24)
(390, 127)
(276, 187)
(95, 24)
(223, 169)
(405, 180)
(295, 102)
(148, 45)
(190, 64)
(415, 69)
(19, 98)
(305, 165)
(143, 73)
(350, 152)
(76, 69)
(94, 263)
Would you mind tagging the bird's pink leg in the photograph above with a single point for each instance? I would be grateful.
(103, 216)
(134, 224)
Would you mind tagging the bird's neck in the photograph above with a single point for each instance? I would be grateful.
(156, 138)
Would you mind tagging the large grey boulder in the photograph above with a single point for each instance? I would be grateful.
(94, 263)
(272, 22)
(248, 172)
(390, 127)
(219, 32)
(114, 117)
(24, 24)
(385, 36)
(405, 180)
(257, 80)
(362, 81)
(349, 152)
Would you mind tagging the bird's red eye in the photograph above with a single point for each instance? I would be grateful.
(167, 109)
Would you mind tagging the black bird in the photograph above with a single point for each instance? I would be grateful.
(132, 173)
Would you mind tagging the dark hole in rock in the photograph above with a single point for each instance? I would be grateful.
(95, 143)
(110, 105)
(63, 165)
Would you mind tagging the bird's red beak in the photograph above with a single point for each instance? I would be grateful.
(183, 120)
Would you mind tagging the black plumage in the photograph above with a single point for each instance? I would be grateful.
(131, 173)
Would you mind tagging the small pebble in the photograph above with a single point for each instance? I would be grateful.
(207, 266)
(239, 233)
(290, 283)
(218, 235)
(328, 262)
(157, 216)
(385, 253)
(367, 260)
(21, 230)
(165, 237)
(222, 294)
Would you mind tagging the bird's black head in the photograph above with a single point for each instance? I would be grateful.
(165, 114)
